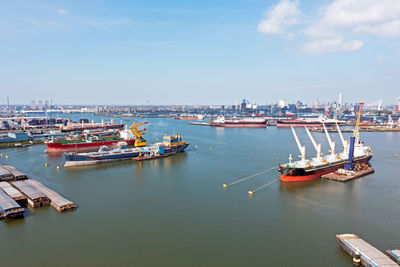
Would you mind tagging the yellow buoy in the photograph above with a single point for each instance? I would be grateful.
(1, 154)
(6, 156)
(210, 147)
(58, 167)
(396, 155)
(46, 164)
(250, 193)
(224, 185)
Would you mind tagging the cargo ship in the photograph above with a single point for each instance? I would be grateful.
(170, 145)
(94, 140)
(86, 125)
(246, 122)
(308, 122)
(354, 151)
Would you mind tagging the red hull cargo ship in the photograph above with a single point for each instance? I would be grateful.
(88, 143)
(304, 169)
(249, 122)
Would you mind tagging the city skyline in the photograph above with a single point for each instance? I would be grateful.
(199, 53)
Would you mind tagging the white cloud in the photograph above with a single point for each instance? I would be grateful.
(389, 29)
(62, 11)
(279, 17)
(322, 46)
(343, 19)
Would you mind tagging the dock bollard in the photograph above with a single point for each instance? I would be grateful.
(356, 259)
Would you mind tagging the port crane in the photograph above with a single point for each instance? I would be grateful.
(139, 141)
(354, 140)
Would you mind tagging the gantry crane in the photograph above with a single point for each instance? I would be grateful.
(354, 140)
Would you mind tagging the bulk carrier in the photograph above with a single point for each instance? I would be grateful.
(246, 122)
(303, 170)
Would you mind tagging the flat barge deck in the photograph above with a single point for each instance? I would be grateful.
(58, 202)
(349, 175)
(13, 193)
(369, 255)
(35, 197)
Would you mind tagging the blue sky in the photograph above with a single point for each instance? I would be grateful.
(199, 52)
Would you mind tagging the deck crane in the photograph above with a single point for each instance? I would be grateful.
(139, 141)
(354, 140)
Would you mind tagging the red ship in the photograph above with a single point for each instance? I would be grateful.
(88, 143)
(248, 122)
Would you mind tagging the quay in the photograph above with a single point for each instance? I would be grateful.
(58, 202)
(9, 208)
(345, 175)
(13, 193)
(368, 255)
(35, 197)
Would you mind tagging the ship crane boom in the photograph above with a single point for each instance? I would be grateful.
(302, 149)
(331, 144)
(316, 146)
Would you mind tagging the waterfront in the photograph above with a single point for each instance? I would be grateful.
(174, 211)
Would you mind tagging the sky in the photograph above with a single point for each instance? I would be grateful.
(199, 52)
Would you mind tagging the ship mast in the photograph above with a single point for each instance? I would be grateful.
(316, 146)
(302, 149)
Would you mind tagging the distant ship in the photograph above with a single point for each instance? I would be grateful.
(246, 122)
(307, 122)
(190, 117)
(86, 125)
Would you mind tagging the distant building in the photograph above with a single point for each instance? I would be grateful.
(40, 105)
(33, 104)
(396, 108)
(340, 100)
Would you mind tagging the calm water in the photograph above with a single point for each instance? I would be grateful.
(174, 211)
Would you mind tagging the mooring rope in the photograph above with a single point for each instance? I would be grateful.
(249, 177)
(251, 192)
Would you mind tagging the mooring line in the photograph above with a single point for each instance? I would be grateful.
(251, 192)
(248, 177)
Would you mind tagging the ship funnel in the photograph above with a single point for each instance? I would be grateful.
(331, 144)
(302, 149)
(316, 146)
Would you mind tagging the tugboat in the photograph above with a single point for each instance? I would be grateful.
(304, 170)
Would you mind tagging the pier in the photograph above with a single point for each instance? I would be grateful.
(9, 208)
(35, 197)
(369, 255)
(58, 202)
(13, 193)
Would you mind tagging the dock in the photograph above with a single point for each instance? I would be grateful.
(394, 255)
(13, 193)
(58, 202)
(35, 197)
(9, 173)
(9, 208)
(344, 176)
(369, 255)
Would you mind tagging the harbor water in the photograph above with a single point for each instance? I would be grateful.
(175, 212)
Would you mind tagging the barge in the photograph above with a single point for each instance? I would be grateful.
(246, 122)
(368, 255)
